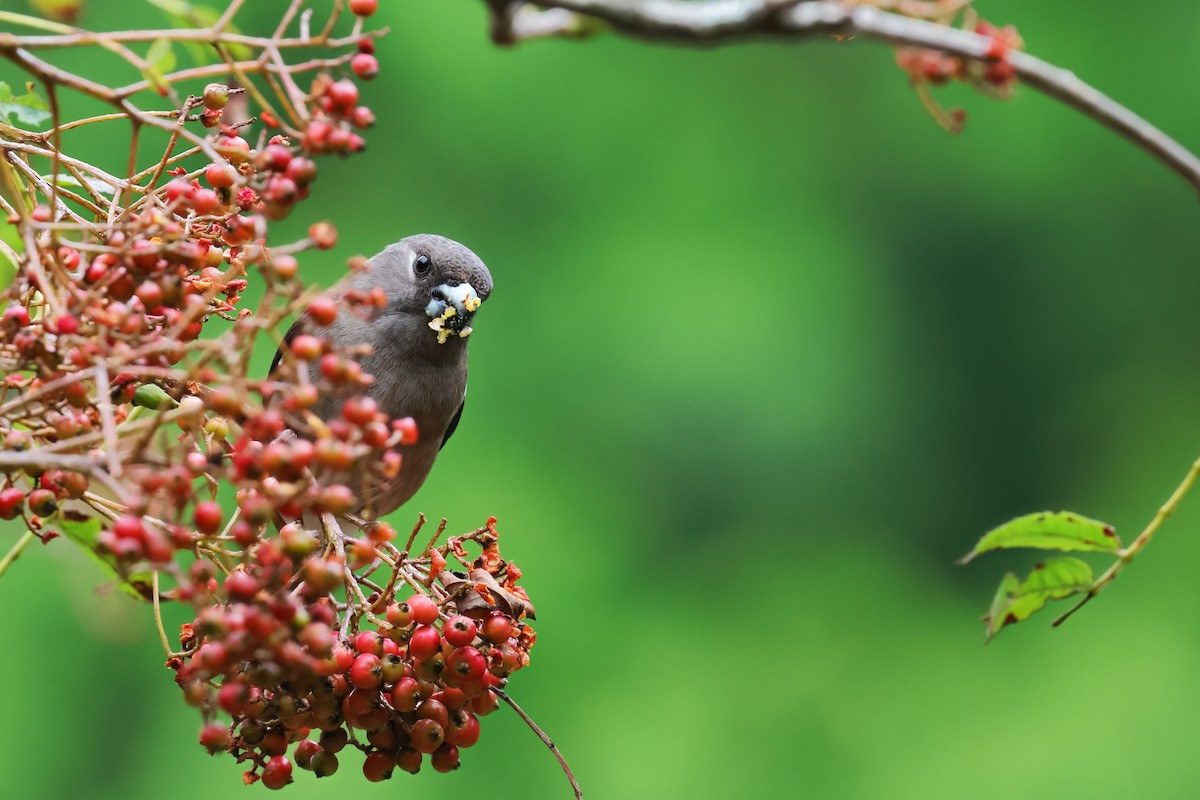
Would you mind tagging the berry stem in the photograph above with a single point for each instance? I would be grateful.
(15, 553)
(546, 740)
(158, 620)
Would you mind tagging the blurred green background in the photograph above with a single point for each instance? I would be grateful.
(768, 350)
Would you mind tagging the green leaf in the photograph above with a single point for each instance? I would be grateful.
(84, 531)
(71, 181)
(27, 109)
(1054, 579)
(151, 395)
(1049, 530)
(160, 59)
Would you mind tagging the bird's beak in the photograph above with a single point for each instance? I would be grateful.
(451, 308)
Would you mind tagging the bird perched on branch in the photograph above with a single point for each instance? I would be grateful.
(418, 351)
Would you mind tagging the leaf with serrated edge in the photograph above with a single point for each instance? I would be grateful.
(1049, 530)
(1053, 579)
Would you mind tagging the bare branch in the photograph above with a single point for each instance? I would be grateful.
(715, 21)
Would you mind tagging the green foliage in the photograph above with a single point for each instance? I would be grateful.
(27, 109)
(1053, 579)
(1049, 530)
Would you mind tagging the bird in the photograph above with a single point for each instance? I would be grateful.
(417, 351)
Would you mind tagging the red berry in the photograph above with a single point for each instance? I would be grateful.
(343, 94)
(12, 500)
(423, 608)
(363, 8)
(241, 586)
(445, 758)
(305, 750)
(408, 429)
(467, 664)
(424, 642)
(129, 528)
(359, 410)
(409, 760)
(205, 201)
(459, 630)
(435, 710)
(427, 736)
(367, 672)
(406, 694)
(497, 628)
(215, 737)
(220, 175)
(485, 704)
(365, 66)
(333, 741)
(463, 729)
(17, 314)
(307, 348)
(378, 766)
(277, 773)
(323, 310)
(207, 516)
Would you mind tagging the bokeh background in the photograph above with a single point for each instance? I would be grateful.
(768, 350)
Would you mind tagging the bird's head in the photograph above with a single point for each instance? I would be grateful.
(434, 280)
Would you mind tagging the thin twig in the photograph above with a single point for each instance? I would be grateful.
(15, 553)
(1128, 554)
(719, 20)
(546, 740)
(162, 632)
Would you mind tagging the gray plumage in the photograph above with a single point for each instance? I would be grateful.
(419, 372)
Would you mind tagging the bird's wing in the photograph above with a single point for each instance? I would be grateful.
(287, 339)
(454, 422)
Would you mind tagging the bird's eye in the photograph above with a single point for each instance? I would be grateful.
(422, 265)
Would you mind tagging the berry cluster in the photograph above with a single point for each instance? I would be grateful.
(266, 649)
(122, 425)
(994, 74)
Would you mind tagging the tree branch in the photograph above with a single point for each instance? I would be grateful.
(715, 21)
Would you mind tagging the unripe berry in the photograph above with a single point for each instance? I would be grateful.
(323, 764)
(333, 741)
(216, 96)
(305, 750)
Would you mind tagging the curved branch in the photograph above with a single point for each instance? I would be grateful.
(715, 21)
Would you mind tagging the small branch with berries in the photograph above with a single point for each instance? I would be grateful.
(121, 423)
(930, 47)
